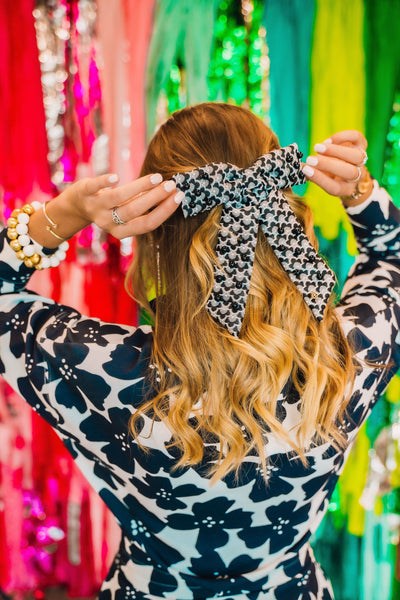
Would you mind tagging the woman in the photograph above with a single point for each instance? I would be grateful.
(217, 436)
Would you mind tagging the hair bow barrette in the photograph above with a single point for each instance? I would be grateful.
(253, 198)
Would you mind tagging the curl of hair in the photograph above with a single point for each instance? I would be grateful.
(232, 384)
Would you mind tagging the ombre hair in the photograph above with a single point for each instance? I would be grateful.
(211, 385)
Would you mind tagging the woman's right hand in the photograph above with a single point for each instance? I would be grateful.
(338, 164)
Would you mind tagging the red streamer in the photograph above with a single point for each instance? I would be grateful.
(23, 142)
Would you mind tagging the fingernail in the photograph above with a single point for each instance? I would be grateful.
(113, 178)
(328, 141)
(308, 171)
(156, 178)
(179, 197)
(319, 148)
(312, 160)
(169, 186)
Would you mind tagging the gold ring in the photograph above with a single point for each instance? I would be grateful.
(364, 160)
(116, 218)
(358, 176)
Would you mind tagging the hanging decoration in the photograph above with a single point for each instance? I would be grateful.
(239, 66)
(391, 173)
(337, 96)
(382, 70)
(23, 144)
(183, 35)
(221, 50)
(71, 85)
(289, 28)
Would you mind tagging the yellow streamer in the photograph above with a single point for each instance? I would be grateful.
(352, 482)
(337, 94)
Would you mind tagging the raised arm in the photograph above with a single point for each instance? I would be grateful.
(369, 308)
(60, 361)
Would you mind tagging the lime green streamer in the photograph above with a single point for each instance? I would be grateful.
(289, 28)
(238, 70)
(183, 32)
(382, 50)
(337, 93)
(391, 173)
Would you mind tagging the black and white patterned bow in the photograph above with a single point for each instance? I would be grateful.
(252, 197)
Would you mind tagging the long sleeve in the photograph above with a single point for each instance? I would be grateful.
(370, 308)
(67, 366)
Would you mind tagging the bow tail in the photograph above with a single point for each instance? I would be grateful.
(235, 251)
(308, 271)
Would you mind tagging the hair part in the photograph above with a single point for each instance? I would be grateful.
(232, 385)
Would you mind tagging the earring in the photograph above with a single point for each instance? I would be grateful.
(158, 270)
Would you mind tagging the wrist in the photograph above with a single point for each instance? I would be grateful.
(70, 207)
(60, 219)
(362, 192)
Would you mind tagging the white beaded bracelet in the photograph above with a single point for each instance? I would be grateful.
(24, 247)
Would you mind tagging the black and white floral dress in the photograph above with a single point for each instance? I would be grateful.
(181, 537)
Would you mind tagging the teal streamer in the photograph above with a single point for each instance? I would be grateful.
(183, 32)
(378, 557)
(339, 553)
(289, 28)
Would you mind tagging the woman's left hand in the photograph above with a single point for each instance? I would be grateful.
(339, 164)
(141, 205)
(131, 209)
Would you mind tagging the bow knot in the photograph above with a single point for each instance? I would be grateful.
(251, 198)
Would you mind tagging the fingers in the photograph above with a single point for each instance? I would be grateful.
(150, 221)
(349, 154)
(350, 135)
(93, 185)
(120, 195)
(140, 205)
(336, 166)
(339, 163)
(335, 187)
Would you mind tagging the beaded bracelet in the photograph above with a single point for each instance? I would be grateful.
(25, 248)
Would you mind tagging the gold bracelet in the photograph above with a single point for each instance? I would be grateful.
(53, 224)
(19, 241)
(360, 189)
(49, 229)
(26, 250)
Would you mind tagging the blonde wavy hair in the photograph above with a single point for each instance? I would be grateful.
(227, 383)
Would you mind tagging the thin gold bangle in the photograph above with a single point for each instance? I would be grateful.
(52, 223)
(49, 229)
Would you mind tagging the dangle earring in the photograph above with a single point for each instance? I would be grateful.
(159, 291)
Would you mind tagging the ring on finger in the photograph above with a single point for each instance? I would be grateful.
(357, 178)
(116, 218)
(364, 160)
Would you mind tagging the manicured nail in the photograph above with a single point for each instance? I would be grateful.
(156, 178)
(312, 160)
(308, 171)
(320, 148)
(328, 141)
(169, 186)
(113, 178)
(179, 197)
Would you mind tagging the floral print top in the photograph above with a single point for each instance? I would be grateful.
(182, 538)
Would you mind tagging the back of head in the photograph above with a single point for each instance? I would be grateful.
(237, 380)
